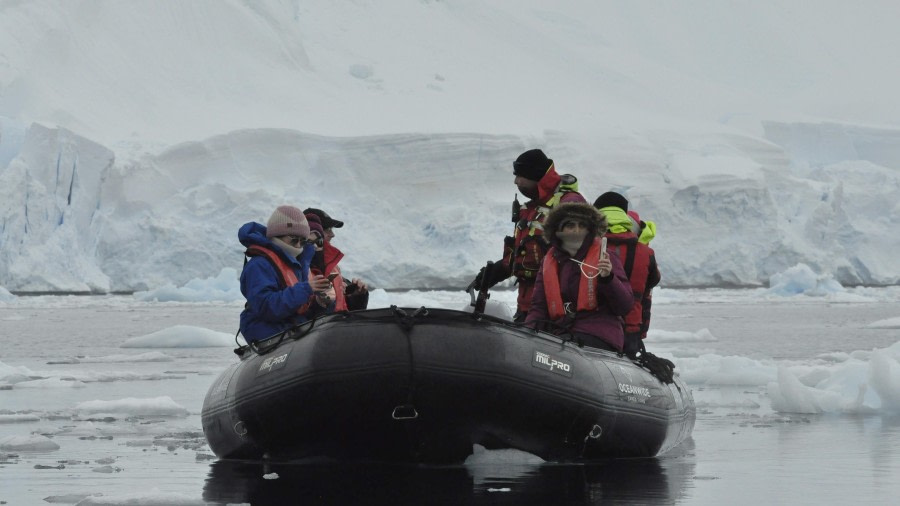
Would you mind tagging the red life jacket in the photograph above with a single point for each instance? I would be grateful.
(525, 251)
(332, 256)
(636, 262)
(286, 276)
(587, 287)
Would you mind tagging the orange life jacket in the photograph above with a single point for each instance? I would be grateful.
(286, 275)
(587, 287)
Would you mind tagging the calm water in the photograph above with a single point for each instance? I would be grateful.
(742, 452)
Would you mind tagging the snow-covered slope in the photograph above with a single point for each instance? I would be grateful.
(136, 137)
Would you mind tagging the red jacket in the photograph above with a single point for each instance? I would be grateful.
(331, 256)
(524, 251)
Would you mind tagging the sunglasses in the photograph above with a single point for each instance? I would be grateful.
(294, 240)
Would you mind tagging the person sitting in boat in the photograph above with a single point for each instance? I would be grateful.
(275, 280)
(639, 263)
(325, 260)
(356, 293)
(580, 292)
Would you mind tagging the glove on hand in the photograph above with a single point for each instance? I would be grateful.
(487, 278)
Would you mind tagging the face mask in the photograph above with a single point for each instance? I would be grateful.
(572, 239)
(287, 248)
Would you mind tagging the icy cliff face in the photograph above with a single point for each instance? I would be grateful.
(51, 227)
(135, 138)
(429, 210)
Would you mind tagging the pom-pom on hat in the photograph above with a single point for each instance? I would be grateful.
(287, 220)
(611, 199)
(532, 164)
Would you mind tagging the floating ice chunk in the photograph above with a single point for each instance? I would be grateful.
(181, 336)
(31, 443)
(663, 336)
(489, 466)
(65, 499)
(885, 379)
(481, 455)
(712, 369)
(19, 418)
(150, 356)
(889, 323)
(50, 383)
(131, 406)
(154, 497)
(800, 279)
(789, 395)
(224, 287)
(5, 296)
(11, 374)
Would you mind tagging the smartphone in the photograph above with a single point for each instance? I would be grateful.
(332, 276)
(602, 246)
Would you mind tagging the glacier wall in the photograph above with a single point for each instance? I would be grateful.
(428, 210)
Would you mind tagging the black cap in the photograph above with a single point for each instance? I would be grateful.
(611, 199)
(327, 221)
(532, 164)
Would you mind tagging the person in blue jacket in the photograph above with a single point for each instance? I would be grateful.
(275, 281)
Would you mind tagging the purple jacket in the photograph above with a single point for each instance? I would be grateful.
(614, 294)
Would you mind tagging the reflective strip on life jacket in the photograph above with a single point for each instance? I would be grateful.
(587, 287)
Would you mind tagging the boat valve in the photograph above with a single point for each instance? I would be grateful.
(405, 412)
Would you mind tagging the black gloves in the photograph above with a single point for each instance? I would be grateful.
(490, 275)
(632, 344)
(356, 299)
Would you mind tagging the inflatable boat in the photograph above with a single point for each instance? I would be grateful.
(425, 385)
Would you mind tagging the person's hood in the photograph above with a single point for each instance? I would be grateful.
(254, 234)
(618, 220)
(580, 211)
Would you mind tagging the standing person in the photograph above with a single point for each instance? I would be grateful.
(580, 290)
(275, 280)
(523, 252)
(356, 293)
(639, 261)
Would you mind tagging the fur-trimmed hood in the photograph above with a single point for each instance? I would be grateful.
(580, 211)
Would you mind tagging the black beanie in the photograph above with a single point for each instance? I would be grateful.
(532, 164)
(611, 199)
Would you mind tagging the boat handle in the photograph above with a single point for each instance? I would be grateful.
(405, 412)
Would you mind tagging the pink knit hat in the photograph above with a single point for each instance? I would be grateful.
(287, 220)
